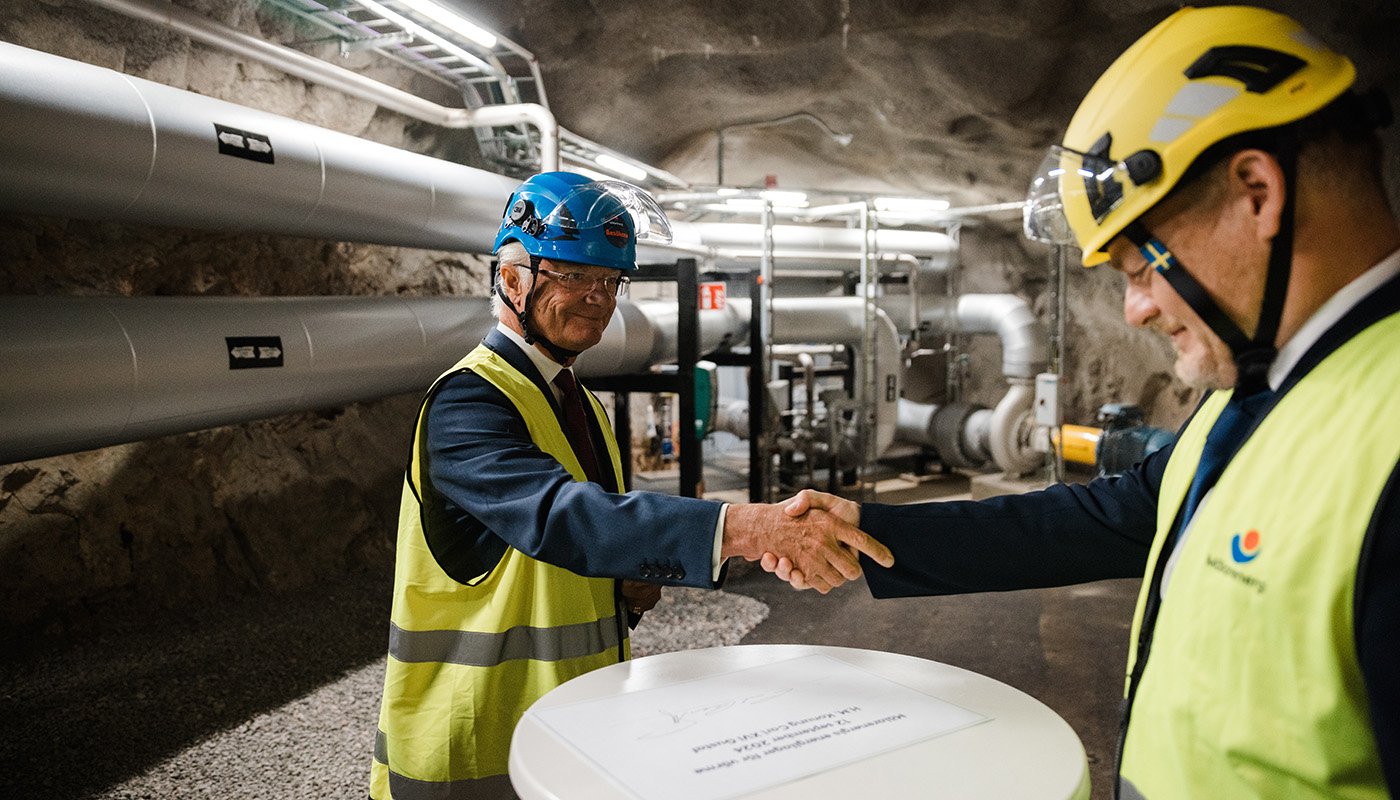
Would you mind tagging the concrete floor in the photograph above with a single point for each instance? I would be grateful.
(113, 716)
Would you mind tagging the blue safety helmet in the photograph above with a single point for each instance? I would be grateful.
(565, 216)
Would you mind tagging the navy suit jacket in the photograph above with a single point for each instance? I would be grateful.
(491, 487)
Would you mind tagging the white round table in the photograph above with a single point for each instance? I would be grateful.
(1019, 748)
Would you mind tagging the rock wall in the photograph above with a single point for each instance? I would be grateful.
(180, 522)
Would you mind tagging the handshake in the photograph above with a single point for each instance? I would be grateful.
(811, 541)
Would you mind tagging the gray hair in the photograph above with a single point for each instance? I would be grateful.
(512, 255)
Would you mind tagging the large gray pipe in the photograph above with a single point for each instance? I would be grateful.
(734, 241)
(83, 141)
(78, 140)
(87, 372)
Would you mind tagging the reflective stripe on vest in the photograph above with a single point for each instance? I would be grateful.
(466, 660)
(1252, 686)
(402, 788)
(477, 649)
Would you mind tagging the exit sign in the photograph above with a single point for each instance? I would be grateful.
(712, 297)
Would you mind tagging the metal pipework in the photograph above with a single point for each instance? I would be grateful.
(960, 432)
(746, 238)
(1012, 428)
(162, 160)
(310, 68)
(83, 141)
(1006, 315)
(839, 320)
(87, 372)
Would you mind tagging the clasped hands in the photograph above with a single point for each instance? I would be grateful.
(811, 541)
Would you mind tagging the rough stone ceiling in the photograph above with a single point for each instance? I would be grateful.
(947, 96)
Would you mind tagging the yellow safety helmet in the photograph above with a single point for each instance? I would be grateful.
(1201, 76)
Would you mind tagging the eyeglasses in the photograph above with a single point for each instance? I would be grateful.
(579, 283)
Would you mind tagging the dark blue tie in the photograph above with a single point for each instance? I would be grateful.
(1225, 437)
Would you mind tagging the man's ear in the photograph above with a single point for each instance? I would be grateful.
(511, 281)
(1256, 178)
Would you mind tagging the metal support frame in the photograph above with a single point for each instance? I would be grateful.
(691, 457)
(867, 391)
(761, 368)
(1059, 258)
(952, 341)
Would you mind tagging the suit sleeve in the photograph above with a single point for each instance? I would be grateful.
(1378, 628)
(491, 482)
(1065, 534)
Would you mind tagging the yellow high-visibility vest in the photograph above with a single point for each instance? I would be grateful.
(467, 660)
(1252, 687)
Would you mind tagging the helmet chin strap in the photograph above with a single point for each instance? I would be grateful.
(560, 354)
(1253, 355)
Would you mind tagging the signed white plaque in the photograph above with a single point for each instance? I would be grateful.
(740, 732)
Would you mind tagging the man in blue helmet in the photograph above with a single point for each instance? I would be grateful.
(520, 562)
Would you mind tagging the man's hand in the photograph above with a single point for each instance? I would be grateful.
(640, 596)
(819, 547)
(801, 503)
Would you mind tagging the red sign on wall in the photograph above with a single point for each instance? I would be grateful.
(712, 297)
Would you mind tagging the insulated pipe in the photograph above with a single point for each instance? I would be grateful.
(923, 244)
(747, 239)
(310, 68)
(1011, 430)
(83, 141)
(86, 372)
(1006, 315)
(961, 433)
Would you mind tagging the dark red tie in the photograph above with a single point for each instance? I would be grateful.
(576, 425)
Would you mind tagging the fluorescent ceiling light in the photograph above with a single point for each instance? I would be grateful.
(452, 21)
(910, 205)
(422, 32)
(728, 191)
(617, 165)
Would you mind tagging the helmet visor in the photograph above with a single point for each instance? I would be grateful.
(618, 208)
(1072, 194)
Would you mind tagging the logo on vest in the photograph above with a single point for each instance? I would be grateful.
(1244, 548)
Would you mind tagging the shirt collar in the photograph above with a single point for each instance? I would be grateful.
(548, 368)
(1328, 314)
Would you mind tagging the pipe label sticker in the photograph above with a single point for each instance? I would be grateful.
(254, 352)
(243, 144)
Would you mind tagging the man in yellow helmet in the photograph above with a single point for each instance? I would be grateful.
(1226, 167)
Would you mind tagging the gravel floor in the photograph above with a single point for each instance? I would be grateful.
(272, 698)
